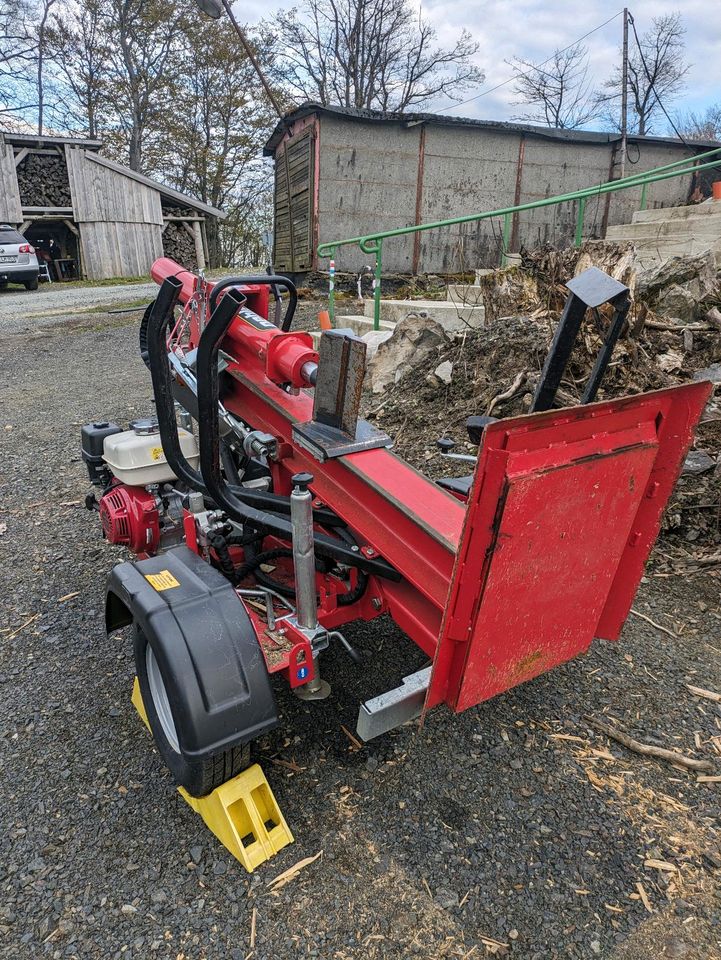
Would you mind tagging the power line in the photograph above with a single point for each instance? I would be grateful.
(484, 93)
(650, 81)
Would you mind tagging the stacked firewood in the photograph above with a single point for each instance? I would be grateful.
(179, 245)
(43, 181)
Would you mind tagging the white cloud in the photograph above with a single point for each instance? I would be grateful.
(532, 29)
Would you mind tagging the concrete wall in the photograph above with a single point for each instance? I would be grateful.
(368, 182)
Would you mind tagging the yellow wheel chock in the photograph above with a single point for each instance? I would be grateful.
(242, 813)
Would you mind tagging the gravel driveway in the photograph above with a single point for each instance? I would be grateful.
(17, 306)
(513, 829)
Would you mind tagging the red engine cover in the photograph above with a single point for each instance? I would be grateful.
(130, 517)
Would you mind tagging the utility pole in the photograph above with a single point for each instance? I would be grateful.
(624, 94)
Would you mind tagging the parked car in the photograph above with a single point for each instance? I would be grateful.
(18, 263)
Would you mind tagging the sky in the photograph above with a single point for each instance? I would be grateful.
(532, 29)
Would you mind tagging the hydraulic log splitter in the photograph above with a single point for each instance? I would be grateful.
(283, 516)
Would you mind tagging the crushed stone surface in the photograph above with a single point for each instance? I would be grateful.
(17, 306)
(512, 829)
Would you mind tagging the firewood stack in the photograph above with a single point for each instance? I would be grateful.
(43, 181)
(179, 245)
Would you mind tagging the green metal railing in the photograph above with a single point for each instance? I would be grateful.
(372, 243)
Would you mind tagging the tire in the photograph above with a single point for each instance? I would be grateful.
(198, 778)
(31, 284)
(143, 334)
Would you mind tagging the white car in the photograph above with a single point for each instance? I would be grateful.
(18, 263)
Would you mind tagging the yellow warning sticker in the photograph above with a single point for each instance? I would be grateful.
(156, 453)
(162, 581)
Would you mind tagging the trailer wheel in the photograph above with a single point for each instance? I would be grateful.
(198, 778)
(143, 334)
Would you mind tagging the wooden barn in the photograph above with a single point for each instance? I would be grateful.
(105, 219)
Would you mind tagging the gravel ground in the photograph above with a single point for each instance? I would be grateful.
(52, 301)
(510, 829)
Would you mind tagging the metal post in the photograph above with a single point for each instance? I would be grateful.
(301, 518)
(331, 291)
(507, 222)
(579, 221)
(624, 94)
(306, 603)
(377, 286)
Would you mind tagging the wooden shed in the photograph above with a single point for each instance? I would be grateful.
(106, 219)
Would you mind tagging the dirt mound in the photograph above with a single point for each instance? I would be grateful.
(505, 358)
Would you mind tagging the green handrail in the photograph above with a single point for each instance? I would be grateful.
(373, 243)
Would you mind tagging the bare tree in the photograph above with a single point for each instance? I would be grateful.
(144, 37)
(701, 126)
(212, 136)
(18, 57)
(81, 50)
(370, 54)
(42, 52)
(656, 74)
(558, 92)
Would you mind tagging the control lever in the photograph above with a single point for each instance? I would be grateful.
(445, 445)
(349, 648)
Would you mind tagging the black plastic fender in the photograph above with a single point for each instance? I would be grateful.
(207, 650)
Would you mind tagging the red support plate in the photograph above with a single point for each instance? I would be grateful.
(563, 512)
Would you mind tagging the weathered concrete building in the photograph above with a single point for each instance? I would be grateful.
(106, 219)
(354, 172)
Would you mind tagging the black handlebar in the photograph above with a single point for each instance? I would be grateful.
(273, 281)
(160, 316)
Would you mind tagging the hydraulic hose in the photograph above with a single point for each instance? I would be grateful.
(161, 314)
(209, 435)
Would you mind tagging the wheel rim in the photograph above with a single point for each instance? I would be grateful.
(160, 699)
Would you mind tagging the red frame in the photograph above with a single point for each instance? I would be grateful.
(472, 573)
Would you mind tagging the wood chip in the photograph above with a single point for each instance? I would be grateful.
(490, 942)
(703, 779)
(292, 872)
(706, 694)
(644, 896)
(68, 596)
(288, 764)
(22, 626)
(354, 740)
(566, 736)
(660, 865)
(637, 613)
(647, 750)
(253, 922)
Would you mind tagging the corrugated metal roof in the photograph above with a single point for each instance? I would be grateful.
(413, 119)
